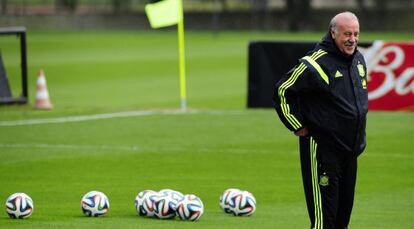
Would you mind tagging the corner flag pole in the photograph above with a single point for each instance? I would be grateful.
(181, 53)
(167, 13)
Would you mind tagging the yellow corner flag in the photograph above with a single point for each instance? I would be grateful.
(163, 13)
(167, 13)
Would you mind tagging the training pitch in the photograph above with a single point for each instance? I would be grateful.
(116, 128)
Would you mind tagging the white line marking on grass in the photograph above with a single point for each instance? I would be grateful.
(85, 117)
(74, 147)
(82, 118)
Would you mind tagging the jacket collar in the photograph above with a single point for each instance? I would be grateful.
(328, 45)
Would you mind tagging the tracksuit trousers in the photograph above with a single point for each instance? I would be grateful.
(329, 182)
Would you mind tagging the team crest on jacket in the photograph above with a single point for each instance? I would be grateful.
(324, 180)
(361, 70)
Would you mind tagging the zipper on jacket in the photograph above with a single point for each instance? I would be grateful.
(354, 87)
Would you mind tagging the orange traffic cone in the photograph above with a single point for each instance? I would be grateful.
(42, 94)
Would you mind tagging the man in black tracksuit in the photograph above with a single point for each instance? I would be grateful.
(324, 101)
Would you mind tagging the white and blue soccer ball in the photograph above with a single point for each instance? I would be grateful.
(242, 203)
(95, 203)
(190, 207)
(226, 198)
(19, 206)
(175, 195)
(164, 207)
(145, 203)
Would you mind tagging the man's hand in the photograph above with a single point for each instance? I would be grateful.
(302, 132)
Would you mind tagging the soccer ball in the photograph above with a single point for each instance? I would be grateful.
(145, 203)
(19, 206)
(242, 203)
(164, 207)
(175, 195)
(95, 203)
(190, 208)
(225, 198)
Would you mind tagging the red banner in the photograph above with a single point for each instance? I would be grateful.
(390, 75)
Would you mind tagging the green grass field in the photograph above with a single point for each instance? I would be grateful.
(219, 145)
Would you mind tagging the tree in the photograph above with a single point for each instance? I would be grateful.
(3, 7)
(120, 6)
(66, 5)
(260, 16)
(298, 13)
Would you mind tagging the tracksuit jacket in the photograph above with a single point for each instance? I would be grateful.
(327, 93)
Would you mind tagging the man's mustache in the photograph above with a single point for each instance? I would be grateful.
(350, 43)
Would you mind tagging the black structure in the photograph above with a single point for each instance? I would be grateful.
(5, 91)
(268, 61)
(23, 98)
